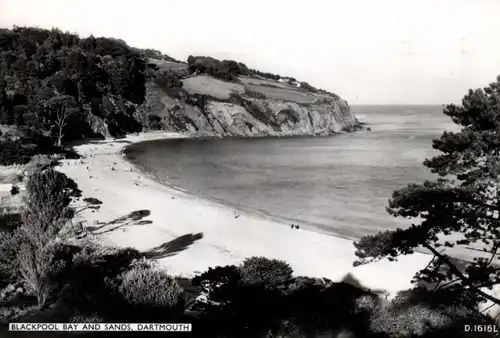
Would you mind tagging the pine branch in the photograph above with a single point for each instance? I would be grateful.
(446, 284)
(495, 249)
(460, 275)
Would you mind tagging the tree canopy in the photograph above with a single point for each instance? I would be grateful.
(458, 210)
(42, 70)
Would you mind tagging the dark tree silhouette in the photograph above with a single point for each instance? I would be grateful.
(460, 209)
(48, 76)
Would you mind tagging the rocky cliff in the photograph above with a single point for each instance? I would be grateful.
(202, 105)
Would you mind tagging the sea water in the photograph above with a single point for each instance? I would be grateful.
(338, 184)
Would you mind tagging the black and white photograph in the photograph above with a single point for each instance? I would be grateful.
(250, 169)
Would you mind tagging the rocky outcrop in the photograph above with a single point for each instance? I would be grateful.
(97, 125)
(249, 116)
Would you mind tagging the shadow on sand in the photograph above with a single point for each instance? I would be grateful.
(133, 218)
(173, 247)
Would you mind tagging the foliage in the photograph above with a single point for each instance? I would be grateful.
(31, 252)
(180, 121)
(419, 313)
(198, 100)
(217, 283)
(168, 81)
(254, 95)
(261, 298)
(10, 242)
(307, 86)
(303, 282)
(230, 307)
(269, 273)
(155, 54)
(288, 114)
(256, 110)
(12, 152)
(20, 147)
(226, 70)
(46, 212)
(37, 267)
(49, 195)
(43, 72)
(10, 219)
(264, 74)
(90, 279)
(460, 209)
(117, 285)
(154, 122)
(148, 287)
(236, 301)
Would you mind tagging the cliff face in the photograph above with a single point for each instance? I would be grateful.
(285, 118)
(280, 110)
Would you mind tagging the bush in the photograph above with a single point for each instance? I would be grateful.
(156, 126)
(308, 87)
(10, 219)
(418, 312)
(218, 284)
(253, 109)
(13, 152)
(91, 280)
(168, 81)
(288, 114)
(14, 190)
(10, 243)
(269, 273)
(146, 293)
(155, 122)
(49, 194)
(225, 70)
(301, 282)
(154, 118)
(145, 286)
(231, 308)
(255, 95)
(264, 74)
(408, 322)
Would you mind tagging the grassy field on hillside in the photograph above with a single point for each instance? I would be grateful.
(283, 94)
(207, 85)
(168, 65)
(254, 81)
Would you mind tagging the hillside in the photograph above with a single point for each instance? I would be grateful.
(219, 100)
(57, 86)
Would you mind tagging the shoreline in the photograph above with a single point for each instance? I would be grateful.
(194, 233)
(318, 228)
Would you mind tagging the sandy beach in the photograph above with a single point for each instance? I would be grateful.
(187, 234)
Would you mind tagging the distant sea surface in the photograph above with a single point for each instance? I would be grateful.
(338, 184)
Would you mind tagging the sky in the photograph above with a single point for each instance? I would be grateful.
(367, 51)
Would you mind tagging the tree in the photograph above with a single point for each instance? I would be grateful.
(37, 66)
(61, 108)
(269, 273)
(461, 208)
(61, 120)
(47, 211)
